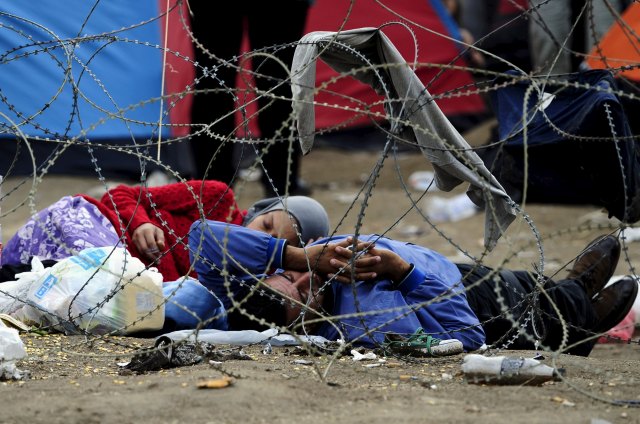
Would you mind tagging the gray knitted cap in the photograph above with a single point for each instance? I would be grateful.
(313, 221)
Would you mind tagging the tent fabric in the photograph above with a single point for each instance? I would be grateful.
(109, 73)
(90, 71)
(620, 45)
(408, 100)
(578, 144)
(436, 34)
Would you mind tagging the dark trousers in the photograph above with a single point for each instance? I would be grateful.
(220, 32)
(506, 297)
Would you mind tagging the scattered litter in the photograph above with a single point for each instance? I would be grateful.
(411, 231)
(381, 362)
(267, 350)
(631, 234)
(422, 180)
(446, 376)
(506, 370)
(11, 350)
(563, 401)
(345, 198)
(10, 321)
(302, 362)
(599, 217)
(457, 208)
(167, 354)
(357, 356)
(228, 355)
(218, 383)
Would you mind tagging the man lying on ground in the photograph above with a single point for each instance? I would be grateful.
(399, 288)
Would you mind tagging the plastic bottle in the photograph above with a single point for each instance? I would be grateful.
(507, 370)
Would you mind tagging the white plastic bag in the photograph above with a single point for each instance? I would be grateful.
(13, 294)
(11, 346)
(101, 290)
(11, 350)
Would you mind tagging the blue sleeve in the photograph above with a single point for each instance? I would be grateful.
(445, 301)
(226, 255)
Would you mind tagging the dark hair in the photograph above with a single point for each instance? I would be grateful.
(261, 305)
(268, 305)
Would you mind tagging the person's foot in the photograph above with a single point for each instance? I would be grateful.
(613, 303)
(596, 264)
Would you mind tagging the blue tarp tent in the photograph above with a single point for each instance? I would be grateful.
(82, 71)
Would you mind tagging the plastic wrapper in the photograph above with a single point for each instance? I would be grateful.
(101, 290)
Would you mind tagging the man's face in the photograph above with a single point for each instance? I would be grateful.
(278, 224)
(297, 286)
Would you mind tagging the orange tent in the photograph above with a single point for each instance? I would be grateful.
(620, 46)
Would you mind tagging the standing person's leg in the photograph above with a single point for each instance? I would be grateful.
(549, 28)
(221, 34)
(272, 25)
(599, 20)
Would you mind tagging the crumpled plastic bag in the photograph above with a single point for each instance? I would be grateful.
(100, 290)
(11, 350)
(14, 293)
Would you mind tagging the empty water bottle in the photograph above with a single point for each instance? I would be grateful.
(507, 370)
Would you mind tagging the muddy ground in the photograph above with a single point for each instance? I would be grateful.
(74, 379)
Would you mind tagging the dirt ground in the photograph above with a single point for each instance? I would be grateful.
(74, 379)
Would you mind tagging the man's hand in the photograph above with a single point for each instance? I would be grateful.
(318, 257)
(149, 240)
(367, 263)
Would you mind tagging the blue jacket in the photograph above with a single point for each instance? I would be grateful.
(431, 297)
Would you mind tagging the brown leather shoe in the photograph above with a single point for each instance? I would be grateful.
(596, 264)
(613, 303)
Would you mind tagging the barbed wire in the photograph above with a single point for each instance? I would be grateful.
(26, 128)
